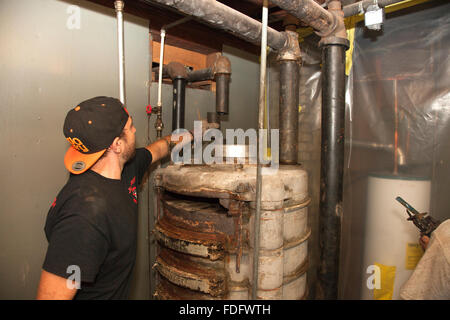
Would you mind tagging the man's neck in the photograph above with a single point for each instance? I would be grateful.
(110, 167)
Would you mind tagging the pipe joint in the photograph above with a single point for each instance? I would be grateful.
(336, 34)
(291, 23)
(222, 65)
(176, 70)
(119, 5)
(291, 50)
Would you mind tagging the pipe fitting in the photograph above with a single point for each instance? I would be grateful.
(337, 33)
(176, 70)
(119, 5)
(221, 65)
(291, 50)
(291, 23)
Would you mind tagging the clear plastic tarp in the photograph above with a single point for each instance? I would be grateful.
(397, 144)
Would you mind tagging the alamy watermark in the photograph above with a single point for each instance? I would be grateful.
(74, 280)
(74, 20)
(213, 152)
(374, 280)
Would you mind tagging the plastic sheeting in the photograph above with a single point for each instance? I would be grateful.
(397, 123)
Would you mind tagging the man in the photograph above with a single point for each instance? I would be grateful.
(91, 226)
(431, 277)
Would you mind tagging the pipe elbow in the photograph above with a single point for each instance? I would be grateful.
(401, 158)
(222, 65)
(176, 70)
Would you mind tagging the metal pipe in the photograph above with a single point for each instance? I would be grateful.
(225, 18)
(192, 76)
(222, 93)
(401, 159)
(262, 98)
(332, 166)
(119, 5)
(310, 13)
(159, 125)
(175, 23)
(201, 75)
(289, 91)
(361, 6)
(179, 94)
(161, 62)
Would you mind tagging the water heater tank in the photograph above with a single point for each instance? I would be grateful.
(390, 241)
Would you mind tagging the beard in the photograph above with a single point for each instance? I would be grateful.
(130, 152)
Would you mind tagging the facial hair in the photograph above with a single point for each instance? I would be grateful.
(130, 152)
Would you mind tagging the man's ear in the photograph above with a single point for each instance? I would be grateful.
(116, 146)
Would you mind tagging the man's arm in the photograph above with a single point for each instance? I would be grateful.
(53, 287)
(161, 148)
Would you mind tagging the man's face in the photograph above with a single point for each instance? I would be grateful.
(130, 140)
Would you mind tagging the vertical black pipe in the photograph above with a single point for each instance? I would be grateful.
(332, 166)
(179, 95)
(289, 91)
(222, 92)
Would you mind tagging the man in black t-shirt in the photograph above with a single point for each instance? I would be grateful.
(91, 226)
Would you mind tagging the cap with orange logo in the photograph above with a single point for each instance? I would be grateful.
(90, 128)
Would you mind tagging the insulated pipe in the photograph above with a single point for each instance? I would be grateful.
(262, 100)
(119, 5)
(226, 18)
(310, 12)
(332, 167)
(289, 91)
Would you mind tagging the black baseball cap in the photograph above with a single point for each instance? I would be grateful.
(90, 128)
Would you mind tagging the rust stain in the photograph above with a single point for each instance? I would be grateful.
(182, 270)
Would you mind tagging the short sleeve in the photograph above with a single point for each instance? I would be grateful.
(74, 241)
(142, 161)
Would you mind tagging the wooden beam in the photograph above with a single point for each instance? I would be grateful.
(174, 54)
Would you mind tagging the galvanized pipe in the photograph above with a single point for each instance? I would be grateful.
(310, 12)
(361, 6)
(262, 99)
(161, 62)
(119, 5)
(225, 18)
(332, 167)
(176, 23)
(288, 115)
(401, 159)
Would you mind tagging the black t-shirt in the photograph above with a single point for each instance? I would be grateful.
(92, 225)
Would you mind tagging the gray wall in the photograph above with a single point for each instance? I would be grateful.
(46, 69)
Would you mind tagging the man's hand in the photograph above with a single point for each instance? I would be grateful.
(161, 148)
(424, 242)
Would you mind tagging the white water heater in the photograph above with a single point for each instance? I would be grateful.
(390, 240)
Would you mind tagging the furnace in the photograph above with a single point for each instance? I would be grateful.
(205, 232)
